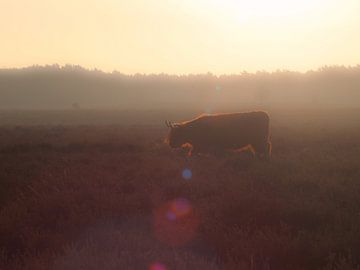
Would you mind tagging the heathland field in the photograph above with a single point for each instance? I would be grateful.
(100, 190)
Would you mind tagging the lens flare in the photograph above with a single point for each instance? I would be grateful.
(157, 266)
(171, 215)
(180, 207)
(175, 223)
(187, 174)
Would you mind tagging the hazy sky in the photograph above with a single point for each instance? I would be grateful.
(183, 36)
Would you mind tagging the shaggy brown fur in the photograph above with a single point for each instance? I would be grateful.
(231, 131)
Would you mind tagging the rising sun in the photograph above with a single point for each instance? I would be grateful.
(259, 9)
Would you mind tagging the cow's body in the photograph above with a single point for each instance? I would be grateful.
(229, 131)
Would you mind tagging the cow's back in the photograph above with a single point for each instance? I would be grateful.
(231, 130)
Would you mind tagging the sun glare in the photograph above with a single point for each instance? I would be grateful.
(243, 10)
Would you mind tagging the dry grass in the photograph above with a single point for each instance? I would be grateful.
(89, 197)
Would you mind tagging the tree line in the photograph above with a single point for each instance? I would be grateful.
(74, 87)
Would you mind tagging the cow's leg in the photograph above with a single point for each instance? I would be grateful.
(193, 151)
(268, 150)
(263, 150)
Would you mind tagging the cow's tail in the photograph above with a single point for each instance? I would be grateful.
(268, 149)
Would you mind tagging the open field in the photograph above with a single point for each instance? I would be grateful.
(100, 190)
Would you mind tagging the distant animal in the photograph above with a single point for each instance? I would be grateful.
(226, 131)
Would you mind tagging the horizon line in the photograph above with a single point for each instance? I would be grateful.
(95, 69)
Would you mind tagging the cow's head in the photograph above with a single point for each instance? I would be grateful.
(176, 136)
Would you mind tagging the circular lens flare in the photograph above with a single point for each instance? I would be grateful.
(187, 174)
(175, 223)
(157, 266)
(171, 215)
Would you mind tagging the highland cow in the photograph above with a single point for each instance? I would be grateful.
(219, 132)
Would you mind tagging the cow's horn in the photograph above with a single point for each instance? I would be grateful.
(168, 123)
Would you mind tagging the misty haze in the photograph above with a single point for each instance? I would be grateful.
(173, 135)
(69, 87)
